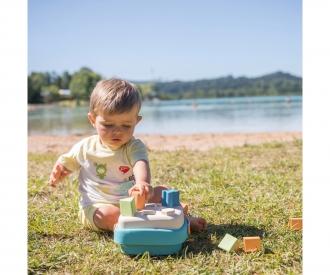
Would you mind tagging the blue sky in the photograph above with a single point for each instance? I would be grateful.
(166, 40)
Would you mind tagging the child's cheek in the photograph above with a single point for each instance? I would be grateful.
(102, 130)
(106, 131)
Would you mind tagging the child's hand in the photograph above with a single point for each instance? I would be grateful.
(143, 188)
(59, 172)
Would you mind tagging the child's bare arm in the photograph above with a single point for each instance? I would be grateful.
(141, 171)
(58, 173)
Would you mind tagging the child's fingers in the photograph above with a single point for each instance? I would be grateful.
(52, 184)
(52, 181)
(147, 190)
(130, 191)
(55, 177)
(51, 178)
(141, 189)
(150, 191)
(56, 171)
(55, 180)
(60, 169)
(65, 172)
(62, 177)
(136, 187)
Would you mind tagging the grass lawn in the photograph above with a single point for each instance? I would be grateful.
(243, 191)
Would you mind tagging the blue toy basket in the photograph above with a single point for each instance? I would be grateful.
(156, 241)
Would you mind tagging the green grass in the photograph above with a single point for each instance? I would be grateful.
(243, 191)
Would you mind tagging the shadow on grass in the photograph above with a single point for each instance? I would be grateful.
(237, 230)
(106, 234)
(206, 242)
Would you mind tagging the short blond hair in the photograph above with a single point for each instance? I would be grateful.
(114, 96)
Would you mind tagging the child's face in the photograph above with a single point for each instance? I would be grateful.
(115, 130)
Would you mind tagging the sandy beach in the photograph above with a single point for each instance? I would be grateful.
(201, 142)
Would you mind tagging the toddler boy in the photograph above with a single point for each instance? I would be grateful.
(112, 163)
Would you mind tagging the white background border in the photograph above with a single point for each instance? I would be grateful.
(13, 192)
(316, 135)
(316, 132)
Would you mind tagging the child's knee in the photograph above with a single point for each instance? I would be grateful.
(106, 218)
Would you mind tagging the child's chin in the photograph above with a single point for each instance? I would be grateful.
(115, 145)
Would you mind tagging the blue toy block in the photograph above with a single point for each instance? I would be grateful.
(170, 198)
(164, 195)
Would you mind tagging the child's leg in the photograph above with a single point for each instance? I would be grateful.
(156, 196)
(197, 224)
(106, 217)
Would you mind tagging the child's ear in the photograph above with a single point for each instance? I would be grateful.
(138, 119)
(91, 118)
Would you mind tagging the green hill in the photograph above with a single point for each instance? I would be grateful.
(277, 83)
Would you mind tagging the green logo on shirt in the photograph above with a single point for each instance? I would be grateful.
(101, 170)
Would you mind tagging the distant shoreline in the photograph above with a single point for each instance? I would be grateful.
(200, 142)
(72, 103)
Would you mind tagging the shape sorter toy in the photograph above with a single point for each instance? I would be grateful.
(159, 229)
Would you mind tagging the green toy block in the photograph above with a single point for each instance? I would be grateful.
(127, 206)
(229, 243)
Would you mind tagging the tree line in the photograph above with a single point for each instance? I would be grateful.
(46, 87)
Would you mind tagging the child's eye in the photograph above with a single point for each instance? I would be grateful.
(127, 126)
(108, 125)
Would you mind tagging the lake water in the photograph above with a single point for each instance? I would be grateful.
(220, 115)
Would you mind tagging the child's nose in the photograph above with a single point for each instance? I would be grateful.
(117, 130)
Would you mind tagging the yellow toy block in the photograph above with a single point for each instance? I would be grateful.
(295, 223)
(251, 244)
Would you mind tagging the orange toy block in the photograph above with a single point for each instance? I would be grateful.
(140, 200)
(185, 208)
(295, 223)
(251, 244)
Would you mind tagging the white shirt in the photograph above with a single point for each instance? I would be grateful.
(105, 175)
